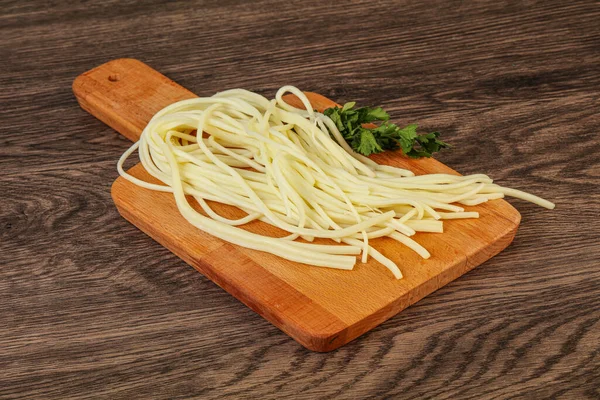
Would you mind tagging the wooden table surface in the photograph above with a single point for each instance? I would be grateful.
(92, 308)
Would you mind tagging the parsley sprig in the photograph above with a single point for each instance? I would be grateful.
(384, 136)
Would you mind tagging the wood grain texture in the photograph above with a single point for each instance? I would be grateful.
(321, 308)
(91, 307)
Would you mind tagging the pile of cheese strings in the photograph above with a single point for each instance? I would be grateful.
(291, 168)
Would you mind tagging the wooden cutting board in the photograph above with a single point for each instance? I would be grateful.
(321, 308)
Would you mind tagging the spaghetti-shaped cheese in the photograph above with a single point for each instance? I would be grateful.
(291, 168)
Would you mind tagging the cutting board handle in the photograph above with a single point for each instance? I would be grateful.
(125, 93)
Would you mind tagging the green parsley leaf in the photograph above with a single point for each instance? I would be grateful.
(348, 106)
(366, 143)
(385, 136)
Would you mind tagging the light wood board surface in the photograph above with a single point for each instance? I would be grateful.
(321, 308)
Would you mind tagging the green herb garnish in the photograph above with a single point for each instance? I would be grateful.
(385, 136)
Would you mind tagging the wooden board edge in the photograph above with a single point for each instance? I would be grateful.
(511, 214)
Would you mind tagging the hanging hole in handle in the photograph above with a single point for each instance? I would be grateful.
(114, 77)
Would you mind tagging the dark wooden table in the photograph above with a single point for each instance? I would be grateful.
(91, 307)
